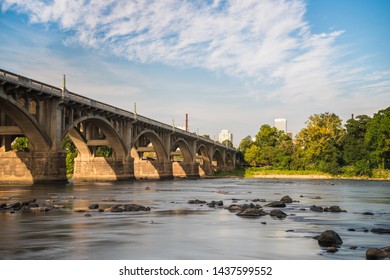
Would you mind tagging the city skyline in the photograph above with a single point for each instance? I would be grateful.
(228, 64)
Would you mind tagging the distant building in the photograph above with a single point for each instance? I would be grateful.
(281, 124)
(225, 135)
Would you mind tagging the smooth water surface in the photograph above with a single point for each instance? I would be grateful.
(174, 229)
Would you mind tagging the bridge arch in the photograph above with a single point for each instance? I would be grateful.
(229, 161)
(202, 159)
(29, 126)
(108, 130)
(184, 149)
(217, 160)
(148, 137)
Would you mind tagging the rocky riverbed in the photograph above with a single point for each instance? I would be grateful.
(271, 209)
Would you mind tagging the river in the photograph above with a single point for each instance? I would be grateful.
(175, 229)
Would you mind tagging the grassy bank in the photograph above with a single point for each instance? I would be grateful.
(257, 172)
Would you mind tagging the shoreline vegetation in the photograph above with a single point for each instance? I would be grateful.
(258, 172)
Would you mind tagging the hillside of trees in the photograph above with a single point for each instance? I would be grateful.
(361, 147)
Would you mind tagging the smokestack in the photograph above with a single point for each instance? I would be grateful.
(186, 122)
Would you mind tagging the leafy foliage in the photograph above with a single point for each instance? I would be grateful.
(20, 144)
(325, 145)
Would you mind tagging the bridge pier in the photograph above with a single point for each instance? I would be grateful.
(32, 167)
(185, 170)
(148, 169)
(102, 169)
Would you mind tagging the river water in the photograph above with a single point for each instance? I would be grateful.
(175, 229)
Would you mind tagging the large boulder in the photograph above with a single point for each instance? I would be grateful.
(329, 238)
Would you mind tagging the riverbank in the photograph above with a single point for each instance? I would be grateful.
(296, 174)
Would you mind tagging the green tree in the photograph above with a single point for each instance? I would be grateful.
(71, 153)
(355, 148)
(271, 148)
(104, 151)
(318, 146)
(245, 143)
(227, 143)
(20, 144)
(378, 139)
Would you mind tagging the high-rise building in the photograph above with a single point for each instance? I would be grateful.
(225, 135)
(281, 124)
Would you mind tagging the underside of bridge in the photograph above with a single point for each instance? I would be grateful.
(109, 143)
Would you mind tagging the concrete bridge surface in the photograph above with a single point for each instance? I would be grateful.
(141, 147)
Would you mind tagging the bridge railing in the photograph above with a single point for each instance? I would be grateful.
(23, 81)
(58, 92)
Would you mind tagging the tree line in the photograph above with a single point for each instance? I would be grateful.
(325, 145)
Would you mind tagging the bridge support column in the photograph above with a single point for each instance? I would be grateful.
(147, 169)
(32, 167)
(185, 170)
(102, 169)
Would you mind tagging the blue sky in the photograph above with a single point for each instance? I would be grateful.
(229, 64)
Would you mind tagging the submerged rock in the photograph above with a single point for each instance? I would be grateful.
(334, 209)
(196, 201)
(278, 214)
(279, 204)
(316, 208)
(135, 207)
(378, 254)
(329, 238)
(252, 212)
(214, 204)
(381, 230)
(286, 199)
(368, 213)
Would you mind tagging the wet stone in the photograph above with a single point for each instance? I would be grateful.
(329, 238)
(197, 201)
(368, 213)
(381, 230)
(286, 199)
(252, 212)
(334, 209)
(316, 208)
(278, 214)
(279, 204)
(93, 206)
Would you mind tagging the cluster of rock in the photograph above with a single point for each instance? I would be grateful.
(126, 208)
(212, 204)
(30, 205)
(333, 209)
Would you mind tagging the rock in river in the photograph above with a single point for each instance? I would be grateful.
(381, 230)
(316, 208)
(329, 238)
(286, 199)
(279, 204)
(278, 214)
(196, 201)
(252, 212)
(334, 209)
(378, 254)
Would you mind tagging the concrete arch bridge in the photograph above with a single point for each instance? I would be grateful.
(140, 147)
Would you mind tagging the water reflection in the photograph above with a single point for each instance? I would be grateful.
(174, 229)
